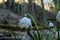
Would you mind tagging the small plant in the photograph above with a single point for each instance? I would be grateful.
(36, 34)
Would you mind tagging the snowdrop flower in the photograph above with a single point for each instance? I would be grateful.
(54, 6)
(51, 24)
(46, 1)
(58, 16)
(56, 35)
(25, 23)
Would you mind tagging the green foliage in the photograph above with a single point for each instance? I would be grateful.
(57, 9)
(35, 37)
(33, 20)
(12, 33)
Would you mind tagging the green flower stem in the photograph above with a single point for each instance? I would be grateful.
(36, 37)
(33, 20)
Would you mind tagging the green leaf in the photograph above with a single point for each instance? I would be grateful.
(33, 20)
(35, 36)
(39, 38)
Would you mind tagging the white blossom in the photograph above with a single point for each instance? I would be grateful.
(58, 16)
(46, 1)
(25, 23)
(51, 24)
(56, 34)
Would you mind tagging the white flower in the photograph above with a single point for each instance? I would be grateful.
(46, 1)
(58, 16)
(25, 23)
(51, 24)
(54, 6)
(56, 34)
